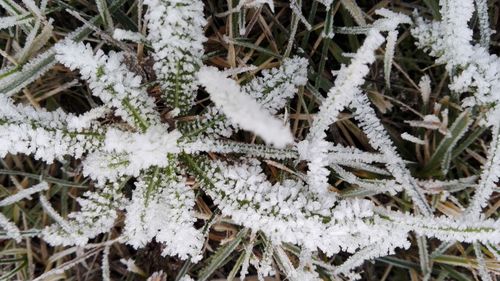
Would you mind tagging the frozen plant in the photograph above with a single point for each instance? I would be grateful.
(149, 161)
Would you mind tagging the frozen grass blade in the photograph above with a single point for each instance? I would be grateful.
(13, 79)
(484, 22)
(105, 14)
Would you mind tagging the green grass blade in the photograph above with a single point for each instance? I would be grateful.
(219, 258)
(443, 153)
(9, 274)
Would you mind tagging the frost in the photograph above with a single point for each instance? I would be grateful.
(11, 229)
(380, 140)
(161, 208)
(25, 193)
(121, 34)
(430, 121)
(242, 109)
(348, 82)
(98, 212)
(225, 147)
(6, 22)
(46, 135)
(175, 30)
(286, 212)
(425, 88)
(489, 177)
(472, 68)
(111, 81)
(412, 138)
(125, 153)
(272, 90)
(277, 86)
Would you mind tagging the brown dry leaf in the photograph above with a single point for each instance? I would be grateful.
(382, 104)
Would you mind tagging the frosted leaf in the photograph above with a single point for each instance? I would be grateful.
(383, 248)
(273, 89)
(98, 212)
(46, 135)
(242, 109)
(13, 79)
(390, 49)
(429, 121)
(224, 147)
(380, 140)
(412, 138)
(316, 153)
(6, 22)
(489, 177)
(25, 193)
(425, 88)
(162, 208)
(445, 228)
(296, 9)
(11, 229)
(125, 153)
(287, 213)
(111, 81)
(471, 67)
(106, 274)
(88, 119)
(348, 82)
(175, 30)
(121, 34)
(278, 85)
(390, 20)
(484, 22)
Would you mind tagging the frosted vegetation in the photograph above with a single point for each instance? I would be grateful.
(148, 160)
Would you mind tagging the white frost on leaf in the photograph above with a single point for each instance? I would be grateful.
(111, 81)
(162, 208)
(278, 85)
(288, 213)
(488, 179)
(98, 212)
(175, 30)
(242, 109)
(126, 153)
(46, 135)
(10, 228)
(425, 88)
(121, 34)
(272, 90)
(471, 66)
(348, 83)
(88, 119)
(412, 138)
(379, 139)
(349, 80)
(25, 193)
